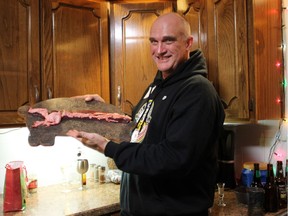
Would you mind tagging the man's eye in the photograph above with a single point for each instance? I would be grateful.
(168, 41)
(153, 42)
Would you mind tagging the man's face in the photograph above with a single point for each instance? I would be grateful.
(169, 47)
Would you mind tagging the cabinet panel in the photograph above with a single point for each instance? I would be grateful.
(76, 40)
(195, 13)
(232, 61)
(219, 30)
(19, 57)
(132, 66)
(267, 54)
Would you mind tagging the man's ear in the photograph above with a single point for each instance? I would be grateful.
(189, 43)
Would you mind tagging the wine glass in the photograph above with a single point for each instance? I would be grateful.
(82, 168)
(221, 186)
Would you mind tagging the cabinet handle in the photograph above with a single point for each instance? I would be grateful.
(37, 99)
(119, 95)
(49, 92)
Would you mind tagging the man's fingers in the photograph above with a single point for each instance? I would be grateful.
(73, 133)
(84, 140)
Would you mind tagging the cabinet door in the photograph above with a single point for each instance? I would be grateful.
(19, 57)
(132, 68)
(219, 30)
(195, 12)
(75, 48)
(229, 55)
(265, 29)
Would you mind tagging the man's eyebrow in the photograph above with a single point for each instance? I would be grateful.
(165, 38)
(151, 38)
(172, 38)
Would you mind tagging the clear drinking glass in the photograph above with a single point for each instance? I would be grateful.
(82, 168)
(65, 173)
(221, 186)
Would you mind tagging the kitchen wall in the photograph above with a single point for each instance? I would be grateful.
(265, 142)
(42, 162)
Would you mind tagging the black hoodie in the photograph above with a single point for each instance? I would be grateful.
(170, 167)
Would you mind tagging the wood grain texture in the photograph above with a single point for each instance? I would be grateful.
(267, 52)
(75, 49)
(19, 56)
(132, 66)
(231, 56)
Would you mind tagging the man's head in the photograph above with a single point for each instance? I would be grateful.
(170, 42)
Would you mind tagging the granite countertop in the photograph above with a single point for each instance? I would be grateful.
(97, 199)
(234, 208)
(101, 199)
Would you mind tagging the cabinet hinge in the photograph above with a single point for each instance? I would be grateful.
(251, 105)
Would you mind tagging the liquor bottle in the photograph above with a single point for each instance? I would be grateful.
(286, 172)
(286, 181)
(256, 177)
(281, 184)
(271, 203)
(286, 175)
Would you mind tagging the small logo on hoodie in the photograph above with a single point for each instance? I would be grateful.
(164, 97)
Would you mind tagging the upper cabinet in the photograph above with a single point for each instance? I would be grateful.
(19, 57)
(241, 40)
(266, 59)
(75, 48)
(51, 48)
(132, 67)
(228, 55)
(63, 48)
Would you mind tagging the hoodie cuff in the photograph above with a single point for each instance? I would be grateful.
(110, 149)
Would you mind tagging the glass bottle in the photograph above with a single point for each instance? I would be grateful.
(271, 192)
(101, 173)
(281, 184)
(286, 175)
(256, 177)
(91, 171)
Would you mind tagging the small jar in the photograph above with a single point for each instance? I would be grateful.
(91, 172)
(101, 173)
(96, 173)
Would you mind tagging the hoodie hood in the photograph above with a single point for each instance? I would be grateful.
(195, 65)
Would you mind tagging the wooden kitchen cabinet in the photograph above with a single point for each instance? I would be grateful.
(19, 57)
(132, 68)
(51, 48)
(219, 30)
(266, 59)
(60, 48)
(228, 55)
(241, 41)
(75, 48)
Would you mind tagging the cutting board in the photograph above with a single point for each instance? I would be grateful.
(43, 135)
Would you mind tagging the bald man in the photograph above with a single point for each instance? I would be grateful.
(170, 165)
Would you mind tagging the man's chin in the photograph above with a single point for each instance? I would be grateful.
(163, 67)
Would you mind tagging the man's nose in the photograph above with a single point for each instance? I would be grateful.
(160, 48)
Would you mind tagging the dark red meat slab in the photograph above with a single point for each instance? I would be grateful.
(45, 136)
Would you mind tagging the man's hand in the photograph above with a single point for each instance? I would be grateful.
(90, 97)
(91, 140)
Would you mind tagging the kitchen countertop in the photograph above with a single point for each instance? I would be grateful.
(101, 199)
(97, 199)
(234, 208)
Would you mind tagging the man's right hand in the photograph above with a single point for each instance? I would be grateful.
(90, 97)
